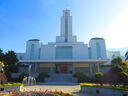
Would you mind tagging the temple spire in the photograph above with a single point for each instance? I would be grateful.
(66, 7)
(66, 28)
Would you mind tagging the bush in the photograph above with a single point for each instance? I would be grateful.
(14, 80)
(98, 77)
(8, 75)
(112, 76)
(123, 77)
(22, 75)
(80, 76)
(41, 76)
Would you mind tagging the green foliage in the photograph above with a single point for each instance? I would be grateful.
(21, 76)
(1, 55)
(8, 75)
(13, 69)
(10, 58)
(80, 76)
(112, 76)
(41, 76)
(126, 56)
(123, 77)
(117, 62)
(98, 77)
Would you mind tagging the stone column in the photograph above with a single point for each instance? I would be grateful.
(73, 68)
(98, 68)
(35, 66)
(90, 65)
(51, 66)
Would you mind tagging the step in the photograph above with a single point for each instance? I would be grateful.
(59, 83)
(54, 79)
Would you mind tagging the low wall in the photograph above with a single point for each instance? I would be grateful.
(103, 91)
(12, 88)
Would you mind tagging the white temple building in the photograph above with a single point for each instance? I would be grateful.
(66, 55)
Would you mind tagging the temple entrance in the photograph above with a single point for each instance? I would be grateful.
(63, 68)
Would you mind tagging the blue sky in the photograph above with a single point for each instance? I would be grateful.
(21, 20)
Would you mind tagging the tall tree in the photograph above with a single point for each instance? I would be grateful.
(126, 55)
(1, 55)
(10, 58)
(117, 62)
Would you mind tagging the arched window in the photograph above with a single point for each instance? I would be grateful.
(32, 51)
(98, 50)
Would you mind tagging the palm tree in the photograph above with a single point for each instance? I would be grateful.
(126, 55)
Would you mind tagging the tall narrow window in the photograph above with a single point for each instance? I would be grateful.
(39, 53)
(98, 50)
(89, 53)
(66, 27)
(32, 51)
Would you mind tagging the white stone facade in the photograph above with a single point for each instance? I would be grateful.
(66, 55)
(67, 41)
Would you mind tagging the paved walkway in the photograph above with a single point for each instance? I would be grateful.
(73, 89)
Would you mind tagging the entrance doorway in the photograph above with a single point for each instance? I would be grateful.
(63, 68)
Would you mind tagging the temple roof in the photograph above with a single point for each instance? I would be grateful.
(96, 38)
(34, 40)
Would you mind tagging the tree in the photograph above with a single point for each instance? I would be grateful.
(124, 77)
(42, 76)
(117, 62)
(10, 58)
(1, 55)
(98, 77)
(80, 76)
(126, 55)
(112, 76)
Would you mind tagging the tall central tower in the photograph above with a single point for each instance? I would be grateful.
(66, 29)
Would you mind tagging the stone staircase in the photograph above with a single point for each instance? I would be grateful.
(61, 78)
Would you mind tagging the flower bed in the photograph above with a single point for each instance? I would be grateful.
(39, 93)
(12, 87)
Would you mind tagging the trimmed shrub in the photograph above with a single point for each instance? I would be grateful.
(123, 77)
(98, 77)
(80, 76)
(21, 76)
(41, 76)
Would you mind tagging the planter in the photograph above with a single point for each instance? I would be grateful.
(103, 91)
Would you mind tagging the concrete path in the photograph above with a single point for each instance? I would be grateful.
(73, 89)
